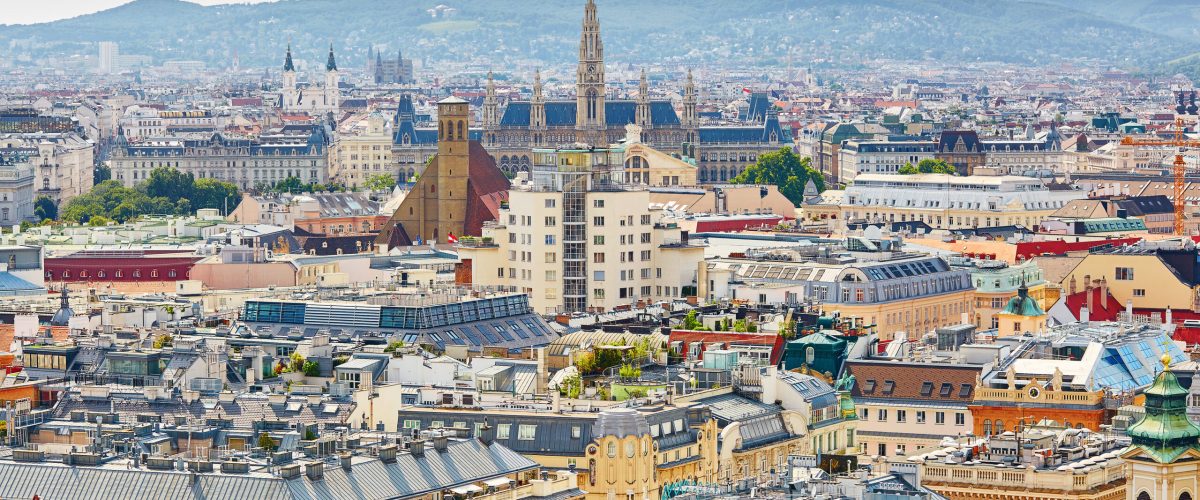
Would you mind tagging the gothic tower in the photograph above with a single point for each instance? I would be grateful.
(690, 121)
(332, 94)
(590, 126)
(491, 113)
(537, 113)
(453, 166)
(643, 103)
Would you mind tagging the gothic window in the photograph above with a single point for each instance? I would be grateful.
(591, 104)
(460, 131)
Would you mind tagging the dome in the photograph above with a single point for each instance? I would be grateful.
(620, 422)
(63, 316)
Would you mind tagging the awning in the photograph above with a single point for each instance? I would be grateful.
(497, 482)
(466, 489)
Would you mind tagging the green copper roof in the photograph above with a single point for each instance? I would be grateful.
(1023, 305)
(1165, 432)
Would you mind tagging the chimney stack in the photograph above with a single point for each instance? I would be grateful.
(1083, 311)
(346, 459)
(440, 441)
(1104, 293)
(314, 470)
(387, 453)
(487, 433)
(416, 448)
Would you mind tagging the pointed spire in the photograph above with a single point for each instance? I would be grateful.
(537, 84)
(287, 62)
(331, 64)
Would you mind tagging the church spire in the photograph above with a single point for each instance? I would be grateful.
(490, 112)
(642, 117)
(331, 64)
(287, 62)
(537, 112)
(590, 125)
(689, 121)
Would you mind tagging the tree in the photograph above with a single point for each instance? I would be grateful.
(785, 170)
(393, 346)
(381, 182)
(585, 362)
(100, 174)
(212, 193)
(163, 341)
(931, 166)
(907, 169)
(312, 369)
(44, 208)
(690, 322)
(265, 442)
(169, 183)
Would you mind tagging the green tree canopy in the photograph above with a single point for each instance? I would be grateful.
(785, 170)
(44, 208)
(380, 182)
(928, 166)
(166, 192)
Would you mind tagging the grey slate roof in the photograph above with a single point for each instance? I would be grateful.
(462, 462)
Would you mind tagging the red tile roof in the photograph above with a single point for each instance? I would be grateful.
(1098, 311)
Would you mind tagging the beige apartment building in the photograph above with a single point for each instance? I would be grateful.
(577, 238)
(362, 152)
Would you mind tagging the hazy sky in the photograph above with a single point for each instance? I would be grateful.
(40, 11)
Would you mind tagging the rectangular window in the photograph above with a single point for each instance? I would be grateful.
(575, 432)
(939, 418)
(598, 239)
(551, 221)
(1124, 273)
(598, 275)
(526, 432)
(1139, 292)
(549, 239)
(960, 419)
(598, 258)
(598, 221)
(502, 431)
(901, 415)
(598, 203)
(920, 417)
(549, 202)
(881, 415)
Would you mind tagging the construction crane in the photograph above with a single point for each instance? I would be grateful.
(1178, 169)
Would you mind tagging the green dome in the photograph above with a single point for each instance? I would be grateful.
(1165, 432)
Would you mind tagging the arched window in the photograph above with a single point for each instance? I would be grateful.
(1144, 496)
(999, 427)
(987, 427)
(441, 130)
(1184, 496)
(461, 136)
(591, 104)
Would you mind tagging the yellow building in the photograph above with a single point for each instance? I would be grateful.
(996, 284)
(646, 165)
(1148, 277)
(617, 452)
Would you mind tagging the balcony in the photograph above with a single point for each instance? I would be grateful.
(473, 242)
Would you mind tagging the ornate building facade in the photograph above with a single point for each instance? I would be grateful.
(313, 100)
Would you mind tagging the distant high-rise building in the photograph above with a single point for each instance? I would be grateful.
(109, 56)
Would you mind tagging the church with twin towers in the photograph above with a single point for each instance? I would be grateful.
(509, 132)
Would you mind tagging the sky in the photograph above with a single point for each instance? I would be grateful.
(40, 11)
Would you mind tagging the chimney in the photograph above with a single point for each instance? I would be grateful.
(1083, 311)
(314, 470)
(440, 441)
(416, 448)
(1072, 289)
(345, 458)
(387, 453)
(1129, 309)
(1104, 293)
(487, 433)
(291, 471)
(1169, 318)
(1091, 296)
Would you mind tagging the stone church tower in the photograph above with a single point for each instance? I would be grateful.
(590, 125)
(453, 165)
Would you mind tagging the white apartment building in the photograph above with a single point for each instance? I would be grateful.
(362, 152)
(882, 157)
(16, 190)
(62, 162)
(576, 239)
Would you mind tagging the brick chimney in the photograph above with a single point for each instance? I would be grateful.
(1087, 281)
(1104, 293)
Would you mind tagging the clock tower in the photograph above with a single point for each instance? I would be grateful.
(590, 126)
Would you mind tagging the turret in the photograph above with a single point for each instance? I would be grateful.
(642, 118)
(491, 119)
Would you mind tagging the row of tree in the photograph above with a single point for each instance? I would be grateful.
(167, 191)
(928, 166)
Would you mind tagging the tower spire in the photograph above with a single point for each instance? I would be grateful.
(642, 118)
(331, 64)
(287, 61)
(590, 124)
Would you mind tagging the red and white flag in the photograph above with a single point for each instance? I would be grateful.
(450, 238)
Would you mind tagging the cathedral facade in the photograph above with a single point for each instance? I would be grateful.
(313, 99)
(509, 131)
